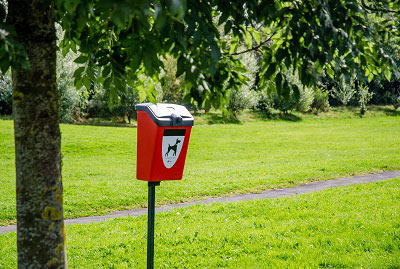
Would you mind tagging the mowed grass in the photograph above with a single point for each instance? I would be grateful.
(355, 226)
(99, 162)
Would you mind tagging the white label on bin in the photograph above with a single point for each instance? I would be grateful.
(171, 146)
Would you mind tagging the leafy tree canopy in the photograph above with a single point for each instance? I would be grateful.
(119, 41)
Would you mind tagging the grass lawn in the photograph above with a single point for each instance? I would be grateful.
(353, 226)
(99, 162)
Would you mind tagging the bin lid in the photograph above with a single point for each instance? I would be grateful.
(167, 114)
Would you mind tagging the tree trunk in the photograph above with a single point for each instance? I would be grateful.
(40, 217)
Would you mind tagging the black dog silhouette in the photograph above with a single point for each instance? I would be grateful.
(174, 147)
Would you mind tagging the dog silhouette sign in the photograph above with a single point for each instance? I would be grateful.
(171, 146)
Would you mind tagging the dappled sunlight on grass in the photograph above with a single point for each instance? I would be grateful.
(99, 163)
(353, 226)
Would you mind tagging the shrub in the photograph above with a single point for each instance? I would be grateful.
(264, 102)
(392, 94)
(321, 101)
(343, 91)
(240, 99)
(246, 96)
(71, 101)
(97, 106)
(267, 101)
(126, 105)
(364, 97)
(285, 105)
(305, 100)
(5, 95)
(394, 100)
(68, 104)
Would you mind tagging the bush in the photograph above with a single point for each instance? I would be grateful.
(268, 101)
(364, 97)
(321, 101)
(343, 91)
(5, 95)
(68, 104)
(246, 96)
(393, 99)
(264, 102)
(240, 99)
(71, 102)
(97, 106)
(285, 105)
(126, 106)
(305, 100)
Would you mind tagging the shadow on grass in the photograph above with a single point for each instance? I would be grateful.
(105, 123)
(220, 119)
(388, 111)
(277, 116)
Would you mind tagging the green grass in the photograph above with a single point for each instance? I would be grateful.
(99, 162)
(348, 227)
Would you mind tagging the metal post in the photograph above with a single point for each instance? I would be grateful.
(150, 224)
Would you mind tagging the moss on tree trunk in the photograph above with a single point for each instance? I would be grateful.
(40, 220)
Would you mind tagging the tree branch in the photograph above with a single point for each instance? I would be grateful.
(378, 9)
(253, 48)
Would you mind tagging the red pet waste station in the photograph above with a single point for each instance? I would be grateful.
(163, 134)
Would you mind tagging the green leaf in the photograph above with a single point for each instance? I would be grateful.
(178, 8)
(224, 16)
(73, 47)
(107, 83)
(215, 53)
(286, 90)
(248, 39)
(161, 19)
(78, 83)
(86, 82)
(78, 72)
(106, 71)
(388, 74)
(81, 59)
(234, 44)
(65, 50)
(370, 77)
(270, 71)
(136, 60)
(278, 83)
(180, 66)
(227, 27)
(148, 64)
(296, 91)
(142, 94)
(257, 37)
(240, 69)
(330, 72)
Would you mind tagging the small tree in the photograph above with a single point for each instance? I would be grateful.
(343, 91)
(364, 97)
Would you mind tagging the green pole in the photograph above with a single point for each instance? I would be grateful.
(150, 224)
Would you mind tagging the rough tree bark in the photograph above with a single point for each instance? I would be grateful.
(40, 218)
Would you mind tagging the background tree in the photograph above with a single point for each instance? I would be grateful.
(126, 39)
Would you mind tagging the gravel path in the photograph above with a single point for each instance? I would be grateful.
(275, 193)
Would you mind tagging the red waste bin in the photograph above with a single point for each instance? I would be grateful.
(162, 141)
